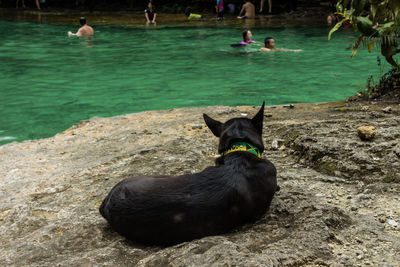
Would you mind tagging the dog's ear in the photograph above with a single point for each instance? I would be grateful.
(258, 119)
(215, 126)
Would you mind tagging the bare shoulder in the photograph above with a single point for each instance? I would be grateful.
(88, 29)
(85, 31)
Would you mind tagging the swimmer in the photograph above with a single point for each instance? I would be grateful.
(247, 35)
(84, 31)
(150, 14)
(192, 16)
(269, 43)
(248, 9)
(247, 39)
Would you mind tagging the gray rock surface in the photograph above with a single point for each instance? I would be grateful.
(338, 205)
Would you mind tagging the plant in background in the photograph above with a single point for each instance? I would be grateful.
(378, 22)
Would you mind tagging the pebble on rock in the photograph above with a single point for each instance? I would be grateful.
(366, 132)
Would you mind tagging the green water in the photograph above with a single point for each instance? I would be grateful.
(49, 81)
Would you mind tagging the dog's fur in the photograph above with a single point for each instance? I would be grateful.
(166, 210)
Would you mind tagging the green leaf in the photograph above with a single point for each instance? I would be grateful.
(339, 6)
(394, 5)
(358, 6)
(386, 29)
(356, 45)
(336, 27)
(364, 25)
(396, 26)
(370, 46)
(373, 10)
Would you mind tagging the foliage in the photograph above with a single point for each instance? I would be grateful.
(378, 22)
(387, 87)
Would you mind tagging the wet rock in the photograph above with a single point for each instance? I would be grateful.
(366, 132)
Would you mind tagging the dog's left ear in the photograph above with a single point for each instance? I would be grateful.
(258, 119)
(214, 125)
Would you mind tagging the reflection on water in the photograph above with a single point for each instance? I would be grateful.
(7, 138)
(49, 81)
(87, 42)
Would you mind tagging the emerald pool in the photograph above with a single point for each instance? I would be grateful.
(48, 81)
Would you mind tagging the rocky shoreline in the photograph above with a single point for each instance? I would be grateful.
(338, 205)
(310, 16)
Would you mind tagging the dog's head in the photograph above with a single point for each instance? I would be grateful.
(238, 130)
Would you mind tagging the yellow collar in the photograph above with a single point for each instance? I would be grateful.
(242, 146)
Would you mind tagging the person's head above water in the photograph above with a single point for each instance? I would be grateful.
(247, 35)
(82, 21)
(269, 42)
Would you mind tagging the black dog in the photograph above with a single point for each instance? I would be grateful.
(166, 210)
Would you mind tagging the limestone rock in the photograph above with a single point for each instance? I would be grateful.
(366, 132)
(324, 214)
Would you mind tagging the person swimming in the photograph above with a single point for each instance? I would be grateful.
(247, 37)
(84, 31)
(269, 46)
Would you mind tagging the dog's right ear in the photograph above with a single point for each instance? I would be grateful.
(215, 126)
(258, 119)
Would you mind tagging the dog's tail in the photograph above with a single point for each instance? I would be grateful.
(278, 188)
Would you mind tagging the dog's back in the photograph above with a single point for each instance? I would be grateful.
(167, 210)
